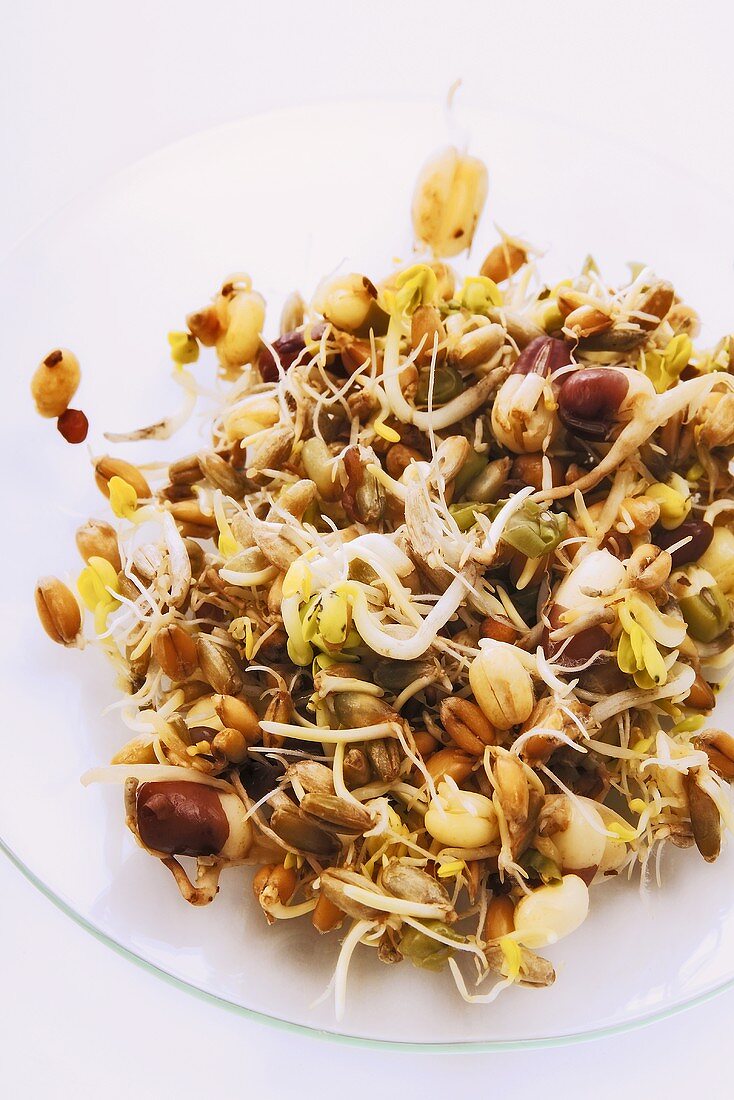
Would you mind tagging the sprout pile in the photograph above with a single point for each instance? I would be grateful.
(430, 631)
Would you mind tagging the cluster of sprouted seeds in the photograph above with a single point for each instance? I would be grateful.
(429, 633)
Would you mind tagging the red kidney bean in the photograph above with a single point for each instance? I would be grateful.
(589, 400)
(544, 355)
(73, 425)
(181, 818)
(288, 347)
(580, 648)
(700, 534)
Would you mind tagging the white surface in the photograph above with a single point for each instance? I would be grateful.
(171, 243)
(85, 94)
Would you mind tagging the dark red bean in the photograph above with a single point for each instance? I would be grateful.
(700, 534)
(586, 776)
(260, 777)
(181, 818)
(580, 648)
(544, 355)
(73, 425)
(589, 400)
(288, 347)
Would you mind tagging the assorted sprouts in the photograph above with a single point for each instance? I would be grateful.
(430, 632)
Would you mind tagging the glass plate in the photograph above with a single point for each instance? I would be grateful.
(289, 197)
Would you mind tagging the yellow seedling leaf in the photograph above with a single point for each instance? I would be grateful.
(123, 498)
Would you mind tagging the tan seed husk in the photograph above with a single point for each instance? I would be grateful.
(427, 327)
(58, 611)
(239, 715)
(503, 261)
(412, 884)
(186, 471)
(107, 467)
(344, 816)
(705, 817)
(187, 513)
(587, 321)
(657, 301)
(701, 696)
(138, 751)
(274, 450)
(137, 668)
(294, 499)
(333, 882)
(278, 551)
(500, 918)
(221, 474)
(315, 778)
(555, 814)
(97, 539)
(297, 830)
(355, 709)
(279, 709)
(175, 651)
(291, 317)
(196, 557)
(534, 970)
(231, 744)
(385, 758)
(219, 667)
(356, 768)
(466, 725)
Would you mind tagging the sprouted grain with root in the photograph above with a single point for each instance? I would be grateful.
(429, 634)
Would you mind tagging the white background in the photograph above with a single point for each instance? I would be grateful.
(84, 89)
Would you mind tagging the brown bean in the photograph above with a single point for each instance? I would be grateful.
(73, 425)
(580, 648)
(181, 818)
(700, 535)
(544, 355)
(288, 348)
(589, 401)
